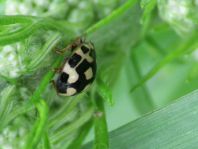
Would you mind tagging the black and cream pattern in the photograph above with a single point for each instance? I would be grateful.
(78, 71)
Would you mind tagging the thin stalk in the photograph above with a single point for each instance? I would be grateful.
(64, 132)
(77, 142)
(46, 142)
(45, 81)
(175, 54)
(63, 112)
(44, 51)
(101, 132)
(39, 127)
(111, 17)
(6, 19)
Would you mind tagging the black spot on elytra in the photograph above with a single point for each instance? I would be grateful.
(83, 67)
(61, 83)
(74, 60)
(64, 77)
(85, 49)
(82, 82)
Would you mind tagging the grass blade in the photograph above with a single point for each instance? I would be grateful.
(171, 127)
(174, 126)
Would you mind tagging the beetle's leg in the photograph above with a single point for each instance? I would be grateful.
(71, 46)
(57, 70)
(60, 52)
(68, 48)
(78, 41)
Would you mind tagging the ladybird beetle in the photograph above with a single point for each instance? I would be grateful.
(78, 70)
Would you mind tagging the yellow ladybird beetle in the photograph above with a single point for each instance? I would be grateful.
(78, 71)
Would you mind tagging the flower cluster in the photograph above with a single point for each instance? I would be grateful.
(179, 14)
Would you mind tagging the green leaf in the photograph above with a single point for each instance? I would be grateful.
(33, 24)
(174, 126)
(6, 104)
(34, 64)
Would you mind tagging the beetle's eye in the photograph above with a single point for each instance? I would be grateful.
(73, 61)
(85, 49)
(64, 77)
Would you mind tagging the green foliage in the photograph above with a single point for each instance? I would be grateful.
(146, 58)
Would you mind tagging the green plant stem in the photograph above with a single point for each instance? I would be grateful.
(6, 104)
(57, 118)
(44, 51)
(105, 92)
(149, 39)
(33, 24)
(101, 131)
(148, 6)
(59, 25)
(149, 105)
(45, 81)
(175, 54)
(29, 29)
(6, 19)
(64, 132)
(19, 34)
(28, 106)
(77, 142)
(46, 142)
(36, 95)
(39, 127)
(112, 16)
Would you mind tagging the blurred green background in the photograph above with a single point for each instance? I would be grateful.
(147, 56)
